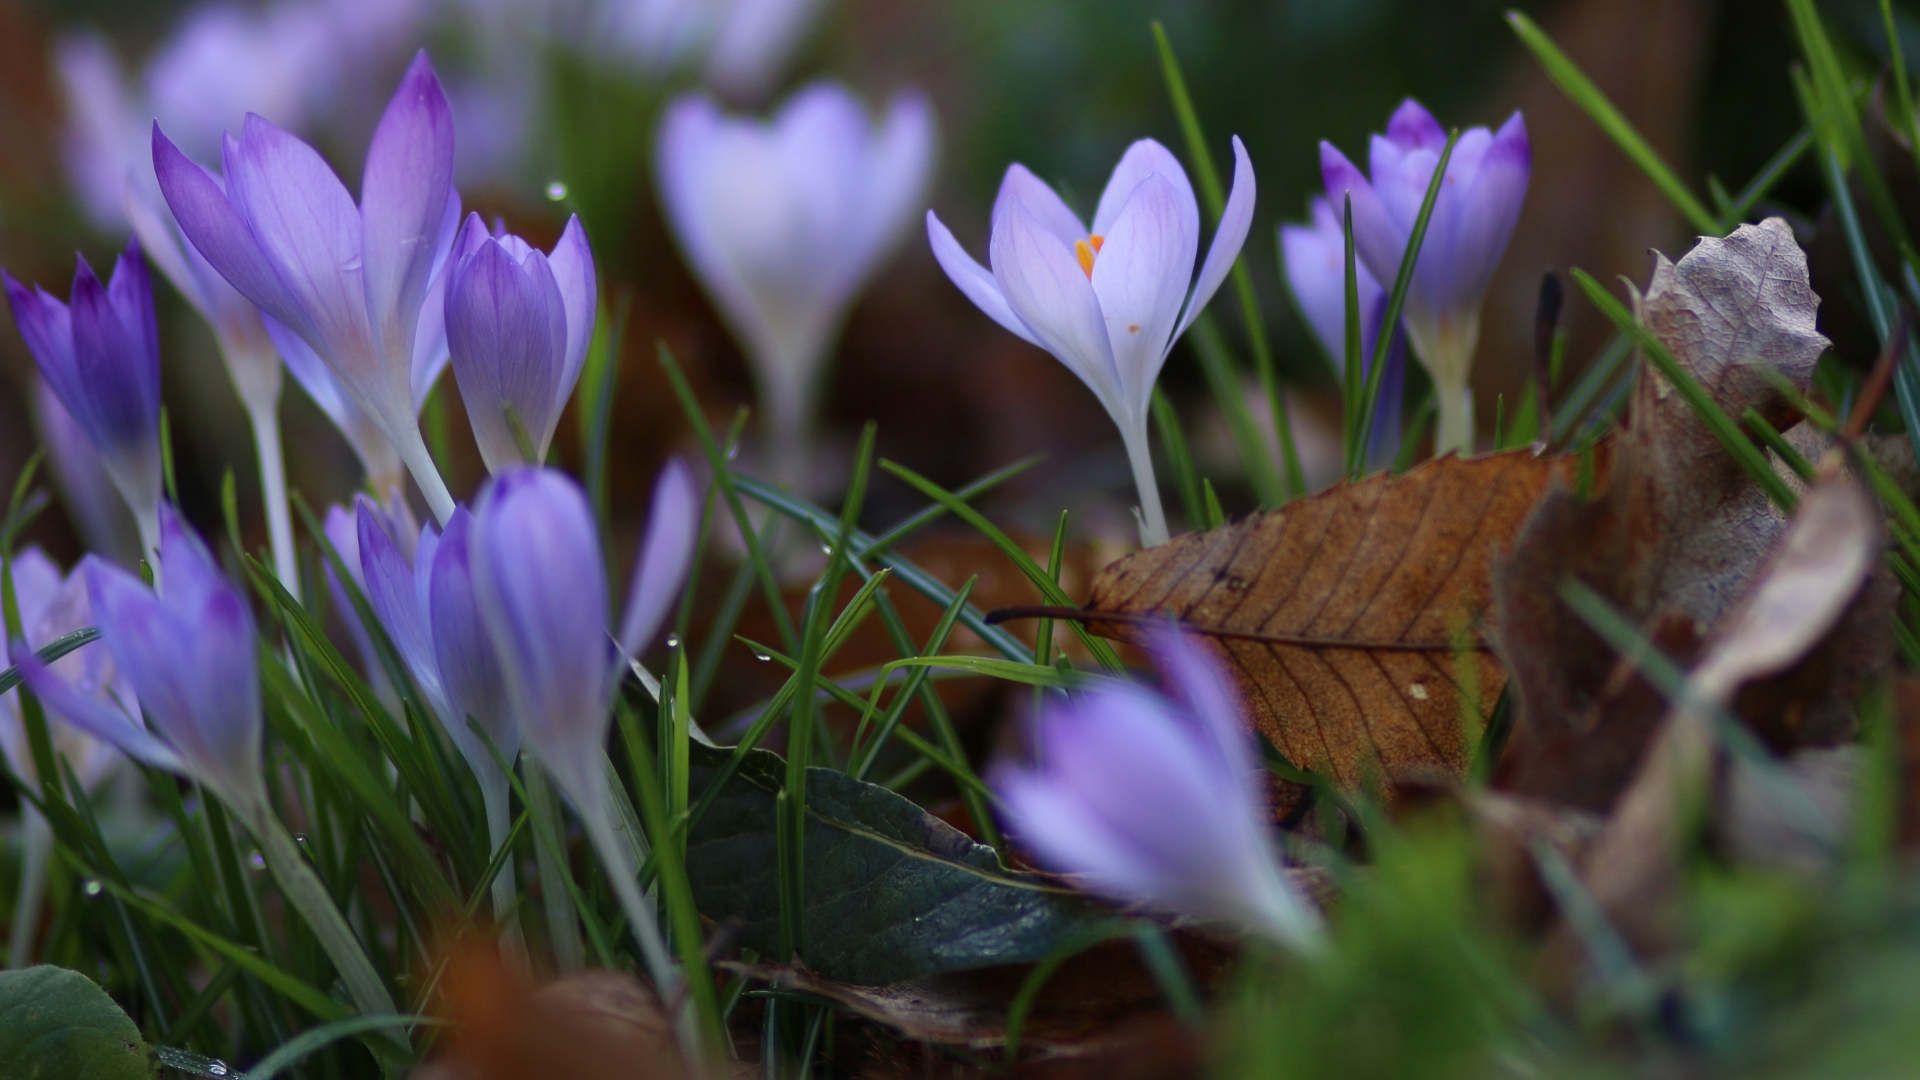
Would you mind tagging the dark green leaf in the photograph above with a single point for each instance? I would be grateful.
(57, 1024)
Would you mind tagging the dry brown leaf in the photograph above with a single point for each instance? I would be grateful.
(1824, 567)
(1676, 529)
(1350, 619)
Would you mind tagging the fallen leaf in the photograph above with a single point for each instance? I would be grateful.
(1825, 564)
(1676, 527)
(1349, 619)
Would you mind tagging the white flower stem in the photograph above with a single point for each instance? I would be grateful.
(493, 795)
(273, 492)
(308, 895)
(36, 844)
(563, 933)
(147, 520)
(1153, 519)
(1456, 418)
(413, 451)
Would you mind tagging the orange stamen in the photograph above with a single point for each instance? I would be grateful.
(1085, 250)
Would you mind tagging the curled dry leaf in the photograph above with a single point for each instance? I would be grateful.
(1824, 569)
(1676, 528)
(1350, 619)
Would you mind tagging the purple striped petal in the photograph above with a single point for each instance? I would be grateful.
(1046, 288)
(1141, 277)
(1143, 159)
(469, 669)
(666, 554)
(403, 198)
(507, 331)
(1235, 220)
(1049, 212)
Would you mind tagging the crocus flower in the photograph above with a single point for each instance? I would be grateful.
(102, 358)
(1315, 258)
(518, 326)
(1472, 219)
(355, 283)
(1155, 801)
(104, 126)
(191, 656)
(542, 596)
(784, 220)
(93, 504)
(740, 46)
(1110, 301)
(51, 607)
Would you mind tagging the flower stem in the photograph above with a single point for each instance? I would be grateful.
(1456, 418)
(563, 933)
(36, 849)
(493, 795)
(308, 895)
(413, 451)
(273, 492)
(1153, 519)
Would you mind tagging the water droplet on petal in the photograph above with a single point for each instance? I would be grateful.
(673, 641)
(556, 191)
(91, 888)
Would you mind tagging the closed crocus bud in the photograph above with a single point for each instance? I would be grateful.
(1315, 258)
(1155, 800)
(1473, 217)
(356, 284)
(784, 220)
(518, 323)
(101, 356)
(190, 657)
(470, 673)
(1107, 301)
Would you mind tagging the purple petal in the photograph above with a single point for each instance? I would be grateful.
(392, 591)
(1143, 159)
(469, 669)
(403, 198)
(573, 272)
(1414, 128)
(506, 329)
(1141, 278)
(1235, 219)
(92, 715)
(543, 597)
(899, 157)
(214, 227)
(666, 553)
(430, 356)
(1194, 679)
(1023, 188)
(976, 281)
(1377, 241)
(1489, 208)
(47, 326)
(1047, 290)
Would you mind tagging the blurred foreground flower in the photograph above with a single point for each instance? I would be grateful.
(1156, 801)
(784, 221)
(1316, 264)
(518, 326)
(191, 657)
(359, 285)
(1109, 303)
(541, 592)
(1473, 217)
(102, 358)
(50, 608)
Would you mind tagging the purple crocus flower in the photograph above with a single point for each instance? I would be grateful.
(542, 596)
(1110, 301)
(784, 221)
(518, 326)
(1155, 801)
(1472, 220)
(93, 504)
(190, 657)
(1315, 258)
(355, 283)
(102, 358)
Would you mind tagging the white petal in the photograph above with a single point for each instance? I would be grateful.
(1143, 159)
(1046, 288)
(1141, 278)
(1227, 239)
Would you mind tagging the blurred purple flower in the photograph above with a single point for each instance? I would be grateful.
(1315, 259)
(1107, 302)
(190, 657)
(93, 503)
(740, 46)
(52, 606)
(359, 285)
(785, 220)
(102, 358)
(226, 60)
(106, 127)
(1472, 220)
(518, 326)
(1155, 801)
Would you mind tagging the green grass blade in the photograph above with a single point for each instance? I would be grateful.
(1223, 380)
(1173, 442)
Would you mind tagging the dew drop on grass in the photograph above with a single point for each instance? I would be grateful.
(91, 888)
(762, 657)
(673, 641)
(556, 191)
(216, 1068)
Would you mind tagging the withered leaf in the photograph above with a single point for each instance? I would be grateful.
(1822, 571)
(1349, 619)
(1675, 530)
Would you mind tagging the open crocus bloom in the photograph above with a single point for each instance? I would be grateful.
(1316, 264)
(1155, 801)
(518, 325)
(784, 220)
(356, 283)
(1108, 301)
(101, 356)
(1473, 217)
